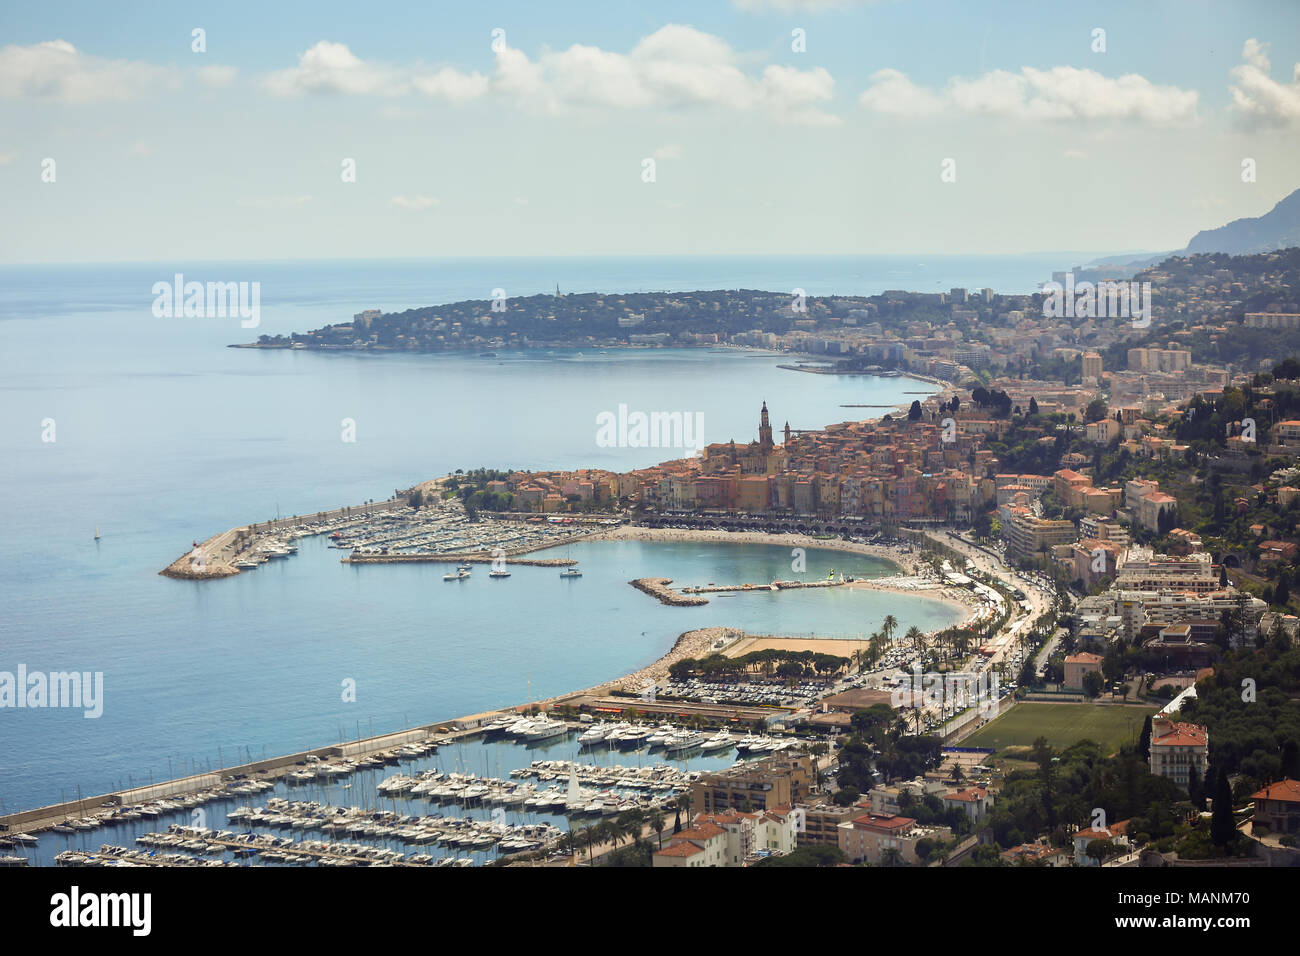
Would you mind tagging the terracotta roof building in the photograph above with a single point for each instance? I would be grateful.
(1178, 750)
(1278, 806)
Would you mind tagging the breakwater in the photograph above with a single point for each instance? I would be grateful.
(658, 588)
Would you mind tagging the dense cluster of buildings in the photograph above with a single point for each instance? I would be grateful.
(771, 807)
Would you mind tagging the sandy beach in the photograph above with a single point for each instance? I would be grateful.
(900, 582)
(906, 563)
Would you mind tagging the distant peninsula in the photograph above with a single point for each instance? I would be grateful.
(744, 318)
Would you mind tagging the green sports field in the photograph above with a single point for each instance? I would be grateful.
(1062, 724)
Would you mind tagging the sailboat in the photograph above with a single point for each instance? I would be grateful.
(96, 532)
(571, 571)
(574, 800)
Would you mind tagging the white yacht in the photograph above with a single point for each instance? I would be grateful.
(463, 573)
(719, 741)
(686, 740)
(520, 727)
(661, 736)
(545, 729)
(499, 573)
(570, 573)
(451, 576)
(594, 734)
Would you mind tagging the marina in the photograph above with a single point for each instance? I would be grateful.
(415, 804)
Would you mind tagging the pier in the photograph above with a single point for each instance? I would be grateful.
(477, 557)
(774, 586)
(223, 550)
(658, 588)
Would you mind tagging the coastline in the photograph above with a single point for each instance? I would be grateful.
(629, 532)
(907, 566)
(692, 643)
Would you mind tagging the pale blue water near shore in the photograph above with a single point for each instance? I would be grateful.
(164, 436)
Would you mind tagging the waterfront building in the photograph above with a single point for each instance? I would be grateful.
(776, 781)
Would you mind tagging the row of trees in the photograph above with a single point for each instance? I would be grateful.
(765, 663)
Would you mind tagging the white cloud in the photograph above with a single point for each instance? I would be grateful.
(892, 92)
(452, 85)
(1059, 93)
(417, 203)
(218, 76)
(1258, 98)
(273, 202)
(333, 68)
(56, 70)
(675, 67)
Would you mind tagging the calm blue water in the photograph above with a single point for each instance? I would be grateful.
(162, 436)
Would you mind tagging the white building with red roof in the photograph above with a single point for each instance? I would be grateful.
(1178, 750)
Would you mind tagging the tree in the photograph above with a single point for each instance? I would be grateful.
(1099, 850)
(1291, 760)
(1092, 683)
(914, 413)
(684, 803)
(1196, 791)
(1033, 406)
(1222, 828)
(1144, 741)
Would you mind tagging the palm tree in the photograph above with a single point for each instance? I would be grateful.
(915, 636)
(684, 803)
(615, 830)
(657, 821)
(600, 832)
(889, 626)
(633, 822)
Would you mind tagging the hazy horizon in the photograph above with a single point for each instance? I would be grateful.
(756, 127)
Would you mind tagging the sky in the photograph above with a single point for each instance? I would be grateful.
(351, 130)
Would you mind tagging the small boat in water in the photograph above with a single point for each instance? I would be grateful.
(570, 573)
(499, 573)
(451, 576)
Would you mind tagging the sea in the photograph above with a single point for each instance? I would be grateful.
(150, 433)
